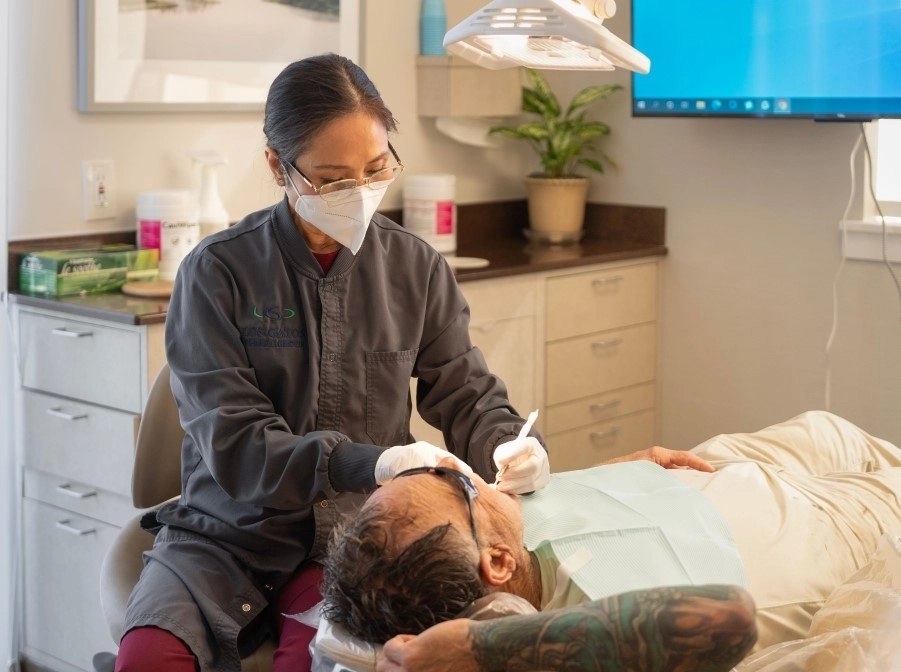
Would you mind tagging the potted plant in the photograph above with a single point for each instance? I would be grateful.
(565, 142)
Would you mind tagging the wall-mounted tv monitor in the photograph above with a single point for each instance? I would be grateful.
(818, 59)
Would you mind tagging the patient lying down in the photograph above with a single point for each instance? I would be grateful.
(633, 566)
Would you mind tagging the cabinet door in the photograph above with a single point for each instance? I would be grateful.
(63, 553)
(503, 326)
(509, 348)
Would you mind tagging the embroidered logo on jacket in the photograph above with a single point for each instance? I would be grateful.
(274, 313)
(269, 329)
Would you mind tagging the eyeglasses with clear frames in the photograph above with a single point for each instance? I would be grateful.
(470, 492)
(335, 192)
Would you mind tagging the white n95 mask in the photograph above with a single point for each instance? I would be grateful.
(345, 221)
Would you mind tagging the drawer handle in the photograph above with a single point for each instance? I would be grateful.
(60, 413)
(71, 491)
(604, 345)
(68, 333)
(601, 283)
(485, 327)
(67, 526)
(606, 406)
(612, 433)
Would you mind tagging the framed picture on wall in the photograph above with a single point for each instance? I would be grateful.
(201, 55)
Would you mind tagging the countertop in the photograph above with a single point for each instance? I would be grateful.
(492, 231)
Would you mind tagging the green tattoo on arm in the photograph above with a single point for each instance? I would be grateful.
(699, 628)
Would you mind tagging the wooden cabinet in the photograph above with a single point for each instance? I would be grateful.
(581, 346)
(84, 384)
(600, 359)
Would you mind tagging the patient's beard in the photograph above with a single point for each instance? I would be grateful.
(526, 580)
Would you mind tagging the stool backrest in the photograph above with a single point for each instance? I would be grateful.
(157, 468)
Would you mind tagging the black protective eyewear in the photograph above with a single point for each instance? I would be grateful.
(470, 492)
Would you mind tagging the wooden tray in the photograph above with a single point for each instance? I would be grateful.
(157, 289)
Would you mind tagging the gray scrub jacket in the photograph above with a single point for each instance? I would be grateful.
(290, 383)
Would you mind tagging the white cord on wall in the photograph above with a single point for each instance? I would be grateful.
(862, 138)
(831, 340)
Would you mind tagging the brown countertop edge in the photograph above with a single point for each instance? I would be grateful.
(492, 230)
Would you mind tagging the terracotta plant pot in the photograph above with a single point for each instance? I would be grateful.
(556, 208)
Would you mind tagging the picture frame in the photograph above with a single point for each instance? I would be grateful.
(201, 55)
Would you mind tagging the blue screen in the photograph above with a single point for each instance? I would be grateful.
(803, 58)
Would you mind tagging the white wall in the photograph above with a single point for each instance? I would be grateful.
(752, 229)
(752, 211)
(52, 137)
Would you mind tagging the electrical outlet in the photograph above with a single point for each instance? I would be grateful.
(98, 189)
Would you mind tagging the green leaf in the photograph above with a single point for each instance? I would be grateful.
(596, 166)
(534, 103)
(593, 129)
(541, 95)
(535, 131)
(589, 95)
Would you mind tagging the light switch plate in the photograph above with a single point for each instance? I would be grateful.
(98, 189)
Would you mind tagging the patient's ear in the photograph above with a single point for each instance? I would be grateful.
(497, 564)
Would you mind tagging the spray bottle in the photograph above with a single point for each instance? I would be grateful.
(213, 216)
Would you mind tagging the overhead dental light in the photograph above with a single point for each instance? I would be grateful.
(544, 34)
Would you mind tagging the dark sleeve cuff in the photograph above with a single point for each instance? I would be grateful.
(351, 467)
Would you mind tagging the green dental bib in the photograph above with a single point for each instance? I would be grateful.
(623, 527)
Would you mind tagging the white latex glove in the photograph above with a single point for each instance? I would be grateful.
(419, 454)
(522, 466)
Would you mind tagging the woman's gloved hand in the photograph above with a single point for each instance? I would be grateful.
(419, 454)
(522, 466)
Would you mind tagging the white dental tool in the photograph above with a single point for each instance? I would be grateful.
(523, 433)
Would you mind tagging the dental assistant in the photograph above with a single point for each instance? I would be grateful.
(292, 337)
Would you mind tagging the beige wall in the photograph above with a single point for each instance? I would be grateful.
(752, 212)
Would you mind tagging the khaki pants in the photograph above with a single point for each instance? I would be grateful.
(807, 501)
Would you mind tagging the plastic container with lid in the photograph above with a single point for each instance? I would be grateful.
(168, 221)
(430, 210)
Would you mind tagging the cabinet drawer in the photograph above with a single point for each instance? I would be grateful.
(588, 302)
(63, 553)
(585, 447)
(590, 365)
(491, 300)
(83, 360)
(599, 408)
(79, 497)
(86, 443)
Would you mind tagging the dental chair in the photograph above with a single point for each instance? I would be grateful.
(156, 478)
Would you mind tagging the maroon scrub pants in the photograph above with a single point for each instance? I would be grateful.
(149, 649)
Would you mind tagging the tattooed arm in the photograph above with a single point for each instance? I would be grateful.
(697, 628)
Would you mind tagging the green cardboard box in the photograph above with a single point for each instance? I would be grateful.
(70, 272)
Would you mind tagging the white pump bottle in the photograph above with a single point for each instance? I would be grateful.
(213, 216)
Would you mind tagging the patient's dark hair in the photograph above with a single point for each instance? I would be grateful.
(377, 593)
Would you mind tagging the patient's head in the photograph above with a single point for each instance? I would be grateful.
(421, 550)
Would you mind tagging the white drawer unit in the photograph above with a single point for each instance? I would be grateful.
(63, 552)
(84, 385)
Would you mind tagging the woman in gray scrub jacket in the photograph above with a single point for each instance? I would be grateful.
(291, 338)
